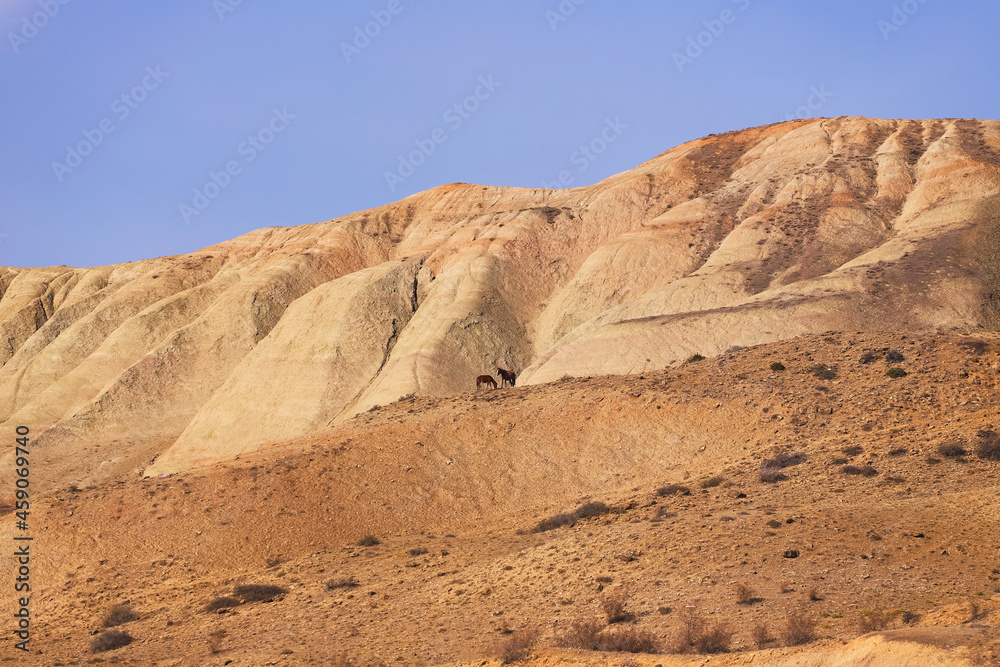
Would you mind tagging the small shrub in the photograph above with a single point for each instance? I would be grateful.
(896, 372)
(224, 602)
(695, 358)
(777, 366)
(673, 490)
(692, 627)
(894, 357)
(369, 541)
(745, 594)
(760, 635)
(873, 621)
(786, 459)
(712, 482)
(773, 523)
(814, 595)
(591, 509)
(629, 640)
(553, 522)
(799, 630)
(346, 582)
(119, 614)
(839, 460)
(898, 451)
(988, 445)
(584, 635)
(614, 605)
(952, 449)
(852, 450)
(714, 640)
(215, 639)
(863, 471)
(418, 551)
(907, 617)
(109, 640)
(517, 647)
(258, 592)
(823, 372)
(770, 473)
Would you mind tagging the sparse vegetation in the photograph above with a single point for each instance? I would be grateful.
(344, 582)
(988, 445)
(822, 372)
(953, 449)
(517, 647)
(694, 635)
(761, 635)
(215, 639)
(695, 358)
(896, 372)
(119, 614)
(898, 451)
(594, 636)
(109, 640)
(777, 366)
(418, 551)
(712, 482)
(745, 595)
(873, 621)
(584, 511)
(814, 595)
(369, 541)
(614, 606)
(673, 490)
(223, 602)
(852, 450)
(258, 592)
(800, 629)
(770, 469)
(863, 471)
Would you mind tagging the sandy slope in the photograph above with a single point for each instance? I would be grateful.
(452, 486)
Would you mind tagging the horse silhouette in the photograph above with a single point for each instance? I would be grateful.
(506, 377)
(485, 379)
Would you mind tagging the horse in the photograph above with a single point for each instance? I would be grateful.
(506, 377)
(485, 379)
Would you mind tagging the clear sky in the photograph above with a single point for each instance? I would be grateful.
(145, 128)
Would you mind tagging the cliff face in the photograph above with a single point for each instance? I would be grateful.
(731, 240)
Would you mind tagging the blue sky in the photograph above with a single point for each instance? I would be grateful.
(139, 129)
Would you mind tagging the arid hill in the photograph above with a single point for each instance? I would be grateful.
(732, 240)
(861, 504)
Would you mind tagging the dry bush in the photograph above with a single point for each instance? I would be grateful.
(839, 460)
(898, 451)
(973, 606)
(988, 445)
(369, 541)
(418, 551)
(343, 582)
(714, 640)
(745, 594)
(907, 617)
(873, 621)
(553, 522)
(258, 592)
(712, 482)
(952, 449)
(800, 629)
(777, 366)
(814, 595)
(223, 602)
(215, 639)
(629, 640)
(694, 358)
(673, 490)
(822, 371)
(769, 473)
(517, 647)
(863, 471)
(109, 640)
(614, 605)
(896, 372)
(761, 635)
(584, 635)
(591, 509)
(119, 614)
(852, 450)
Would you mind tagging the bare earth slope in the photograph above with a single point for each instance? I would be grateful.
(452, 487)
(737, 239)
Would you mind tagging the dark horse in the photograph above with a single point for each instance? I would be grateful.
(485, 379)
(506, 377)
